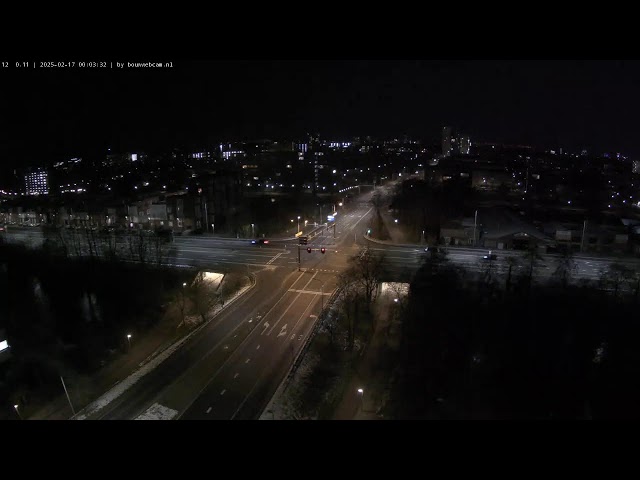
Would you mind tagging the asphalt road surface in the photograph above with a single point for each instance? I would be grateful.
(233, 365)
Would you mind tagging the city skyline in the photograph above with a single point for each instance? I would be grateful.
(575, 105)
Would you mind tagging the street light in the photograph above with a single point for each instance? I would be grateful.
(361, 393)
(17, 411)
(298, 224)
(252, 230)
(129, 340)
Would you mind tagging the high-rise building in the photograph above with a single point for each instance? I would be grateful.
(36, 182)
(454, 143)
(446, 141)
(636, 167)
(464, 145)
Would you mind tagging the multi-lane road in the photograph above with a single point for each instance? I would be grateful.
(232, 366)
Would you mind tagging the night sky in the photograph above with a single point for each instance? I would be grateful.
(47, 114)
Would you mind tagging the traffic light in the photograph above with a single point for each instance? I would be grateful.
(309, 249)
(322, 249)
(303, 240)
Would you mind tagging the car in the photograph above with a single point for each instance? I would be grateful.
(260, 241)
(490, 256)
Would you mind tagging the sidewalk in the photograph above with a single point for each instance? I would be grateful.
(145, 346)
(84, 389)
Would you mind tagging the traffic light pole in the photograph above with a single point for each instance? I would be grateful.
(298, 257)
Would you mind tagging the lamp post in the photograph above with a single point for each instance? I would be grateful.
(18, 411)
(67, 393)
(361, 394)
(252, 230)
(298, 224)
(475, 223)
(129, 340)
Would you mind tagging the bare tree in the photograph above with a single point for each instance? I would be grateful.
(181, 302)
(330, 325)
(76, 241)
(366, 270)
(348, 301)
(202, 295)
(160, 248)
(634, 280)
(110, 246)
(90, 238)
(138, 246)
(616, 276)
(142, 246)
(566, 268)
(511, 262)
(231, 283)
(378, 201)
(533, 261)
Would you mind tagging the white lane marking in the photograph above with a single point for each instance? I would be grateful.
(292, 303)
(265, 325)
(283, 330)
(274, 258)
(235, 335)
(236, 375)
(248, 360)
(293, 335)
(222, 392)
(208, 410)
(258, 347)
(311, 291)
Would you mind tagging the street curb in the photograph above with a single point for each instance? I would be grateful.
(155, 355)
(284, 384)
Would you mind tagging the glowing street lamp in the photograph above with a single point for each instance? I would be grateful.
(129, 340)
(361, 394)
(18, 411)
(298, 223)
